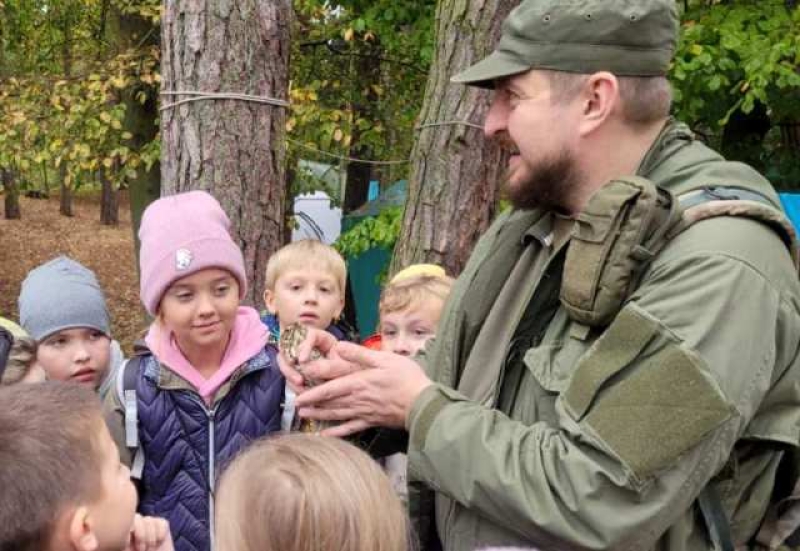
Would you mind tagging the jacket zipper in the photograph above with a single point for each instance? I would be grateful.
(211, 475)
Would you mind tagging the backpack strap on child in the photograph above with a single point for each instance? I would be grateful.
(126, 393)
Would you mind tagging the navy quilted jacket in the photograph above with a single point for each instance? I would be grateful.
(186, 444)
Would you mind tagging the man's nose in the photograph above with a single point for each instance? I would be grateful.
(495, 121)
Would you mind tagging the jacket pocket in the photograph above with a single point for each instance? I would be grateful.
(644, 395)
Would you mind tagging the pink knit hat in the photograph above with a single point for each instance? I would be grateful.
(180, 235)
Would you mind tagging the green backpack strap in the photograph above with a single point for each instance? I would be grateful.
(713, 201)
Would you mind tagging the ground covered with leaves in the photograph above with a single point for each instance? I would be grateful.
(43, 233)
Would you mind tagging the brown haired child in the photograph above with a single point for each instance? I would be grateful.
(63, 487)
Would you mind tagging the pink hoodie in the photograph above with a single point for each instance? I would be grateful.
(248, 338)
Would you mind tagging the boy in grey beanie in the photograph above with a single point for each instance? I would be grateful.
(62, 307)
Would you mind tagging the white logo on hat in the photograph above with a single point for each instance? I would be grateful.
(183, 259)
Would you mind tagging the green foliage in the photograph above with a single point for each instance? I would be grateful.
(734, 54)
(373, 232)
(61, 106)
(358, 75)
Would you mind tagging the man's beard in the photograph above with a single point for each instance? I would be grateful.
(552, 184)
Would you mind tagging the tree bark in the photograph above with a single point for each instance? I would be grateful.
(65, 199)
(12, 210)
(232, 148)
(364, 105)
(109, 202)
(456, 173)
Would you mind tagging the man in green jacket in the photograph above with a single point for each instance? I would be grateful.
(537, 421)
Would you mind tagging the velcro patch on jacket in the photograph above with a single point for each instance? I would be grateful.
(648, 408)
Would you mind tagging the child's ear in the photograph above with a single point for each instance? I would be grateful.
(81, 533)
(269, 301)
(339, 310)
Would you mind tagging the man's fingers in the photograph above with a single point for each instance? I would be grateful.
(317, 338)
(325, 392)
(361, 355)
(346, 429)
(326, 369)
(293, 378)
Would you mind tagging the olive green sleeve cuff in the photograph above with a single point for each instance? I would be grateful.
(424, 411)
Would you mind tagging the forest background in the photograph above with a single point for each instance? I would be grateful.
(81, 105)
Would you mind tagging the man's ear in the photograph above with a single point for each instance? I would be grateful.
(269, 301)
(599, 99)
(82, 536)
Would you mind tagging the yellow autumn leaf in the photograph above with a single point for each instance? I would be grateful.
(338, 135)
(105, 117)
(349, 34)
(697, 49)
(116, 125)
(108, 162)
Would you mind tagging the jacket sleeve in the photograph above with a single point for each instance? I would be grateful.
(650, 412)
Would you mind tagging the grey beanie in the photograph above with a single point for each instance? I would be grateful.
(61, 294)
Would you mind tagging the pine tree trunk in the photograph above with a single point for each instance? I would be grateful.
(456, 173)
(109, 203)
(232, 148)
(12, 210)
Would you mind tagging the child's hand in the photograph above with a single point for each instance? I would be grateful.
(150, 534)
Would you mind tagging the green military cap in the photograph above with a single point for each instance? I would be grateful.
(624, 37)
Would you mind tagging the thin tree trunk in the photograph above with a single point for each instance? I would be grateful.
(65, 204)
(232, 148)
(127, 31)
(456, 173)
(109, 203)
(12, 210)
(364, 106)
(65, 207)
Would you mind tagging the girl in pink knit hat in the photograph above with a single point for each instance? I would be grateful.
(207, 383)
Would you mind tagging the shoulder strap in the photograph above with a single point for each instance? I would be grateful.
(6, 339)
(713, 201)
(126, 393)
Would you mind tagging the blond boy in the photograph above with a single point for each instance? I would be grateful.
(410, 307)
(305, 284)
(63, 487)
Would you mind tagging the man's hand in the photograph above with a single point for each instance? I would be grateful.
(368, 388)
(150, 534)
(329, 367)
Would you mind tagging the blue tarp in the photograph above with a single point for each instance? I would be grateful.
(791, 204)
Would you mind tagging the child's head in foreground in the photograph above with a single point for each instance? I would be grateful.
(63, 487)
(192, 272)
(63, 309)
(305, 284)
(410, 307)
(308, 492)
